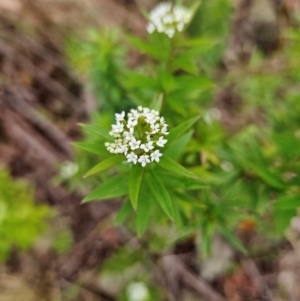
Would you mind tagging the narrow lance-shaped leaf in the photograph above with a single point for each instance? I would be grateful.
(114, 160)
(177, 211)
(135, 179)
(181, 129)
(144, 210)
(159, 193)
(171, 165)
(111, 188)
(271, 179)
(288, 202)
(93, 147)
(123, 212)
(206, 238)
(172, 180)
(231, 238)
(97, 130)
(145, 47)
(157, 102)
(176, 148)
(283, 218)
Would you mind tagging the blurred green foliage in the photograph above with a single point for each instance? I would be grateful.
(100, 59)
(252, 173)
(21, 221)
(212, 19)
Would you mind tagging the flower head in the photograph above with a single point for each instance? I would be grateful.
(68, 169)
(168, 18)
(138, 136)
(137, 291)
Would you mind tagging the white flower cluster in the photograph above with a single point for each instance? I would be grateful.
(168, 18)
(68, 169)
(140, 137)
(137, 291)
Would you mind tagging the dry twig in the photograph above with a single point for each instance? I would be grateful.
(176, 270)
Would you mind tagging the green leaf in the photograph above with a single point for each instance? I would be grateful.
(267, 176)
(98, 131)
(114, 160)
(288, 202)
(112, 188)
(157, 102)
(176, 148)
(145, 47)
(166, 80)
(171, 165)
(124, 211)
(192, 200)
(133, 80)
(192, 83)
(92, 147)
(283, 219)
(207, 230)
(287, 144)
(181, 129)
(159, 193)
(231, 238)
(135, 179)
(186, 64)
(197, 46)
(174, 180)
(248, 154)
(177, 212)
(144, 210)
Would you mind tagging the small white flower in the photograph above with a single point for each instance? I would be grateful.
(212, 115)
(111, 147)
(132, 122)
(134, 144)
(170, 32)
(146, 111)
(68, 169)
(155, 155)
(134, 114)
(162, 121)
(117, 128)
(144, 159)
(114, 134)
(164, 130)
(122, 149)
(120, 117)
(143, 146)
(137, 291)
(127, 136)
(180, 26)
(147, 146)
(161, 142)
(155, 128)
(132, 157)
(150, 118)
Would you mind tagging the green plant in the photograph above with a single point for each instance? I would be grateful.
(251, 174)
(163, 84)
(21, 221)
